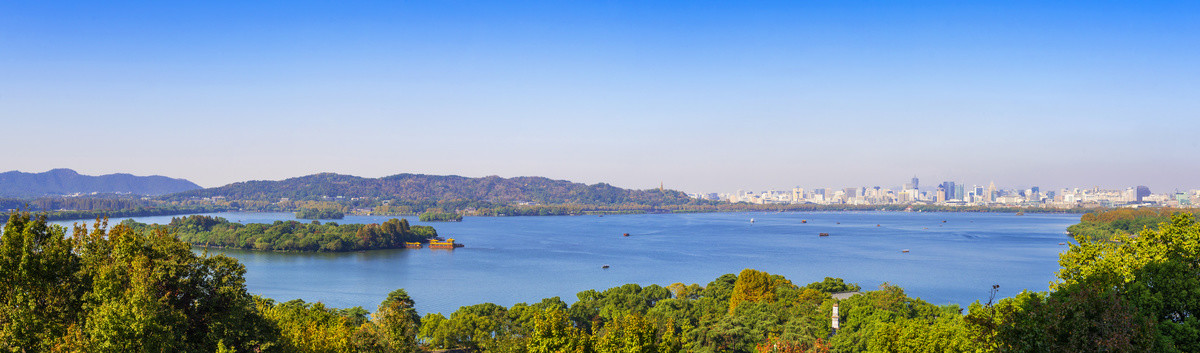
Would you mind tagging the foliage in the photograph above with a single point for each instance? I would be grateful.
(833, 285)
(119, 290)
(320, 213)
(207, 231)
(754, 286)
(123, 290)
(435, 188)
(437, 215)
(93, 210)
(1111, 224)
(1155, 271)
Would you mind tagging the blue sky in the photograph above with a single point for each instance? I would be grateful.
(702, 96)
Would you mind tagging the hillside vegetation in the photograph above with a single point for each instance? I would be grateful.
(123, 290)
(1113, 223)
(208, 231)
(418, 188)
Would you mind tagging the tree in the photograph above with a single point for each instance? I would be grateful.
(120, 290)
(752, 286)
(396, 323)
(40, 295)
(552, 333)
(1156, 271)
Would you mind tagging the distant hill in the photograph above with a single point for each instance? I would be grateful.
(419, 187)
(66, 182)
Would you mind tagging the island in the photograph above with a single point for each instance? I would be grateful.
(208, 231)
(320, 213)
(437, 215)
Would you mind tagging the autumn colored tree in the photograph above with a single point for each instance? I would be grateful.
(752, 286)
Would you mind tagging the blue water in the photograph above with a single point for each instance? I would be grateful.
(523, 259)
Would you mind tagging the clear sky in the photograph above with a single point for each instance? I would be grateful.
(704, 96)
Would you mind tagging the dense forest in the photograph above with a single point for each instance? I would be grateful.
(208, 231)
(320, 213)
(1113, 223)
(437, 215)
(125, 289)
(137, 211)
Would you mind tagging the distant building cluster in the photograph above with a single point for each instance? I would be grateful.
(952, 193)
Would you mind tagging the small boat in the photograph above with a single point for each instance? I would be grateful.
(626, 234)
(1062, 243)
(878, 225)
(839, 222)
(604, 267)
(904, 250)
(752, 220)
(823, 234)
(803, 221)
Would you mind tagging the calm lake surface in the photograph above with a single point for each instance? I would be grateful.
(524, 259)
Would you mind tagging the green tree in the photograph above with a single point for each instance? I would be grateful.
(1156, 271)
(552, 333)
(396, 323)
(40, 294)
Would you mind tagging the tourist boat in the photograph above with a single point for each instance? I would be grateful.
(626, 234)
(823, 234)
(752, 220)
(412, 245)
(446, 244)
(904, 250)
(1062, 243)
(803, 221)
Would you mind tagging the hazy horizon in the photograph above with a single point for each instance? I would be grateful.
(702, 97)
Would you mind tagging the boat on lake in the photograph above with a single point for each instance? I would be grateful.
(444, 244)
(412, 245)
(823, 234)
(904, 250)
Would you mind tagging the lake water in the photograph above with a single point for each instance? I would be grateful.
(524, 259)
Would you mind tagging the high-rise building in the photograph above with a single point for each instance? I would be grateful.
(916, 184)
(1142, 192)
(948, 186)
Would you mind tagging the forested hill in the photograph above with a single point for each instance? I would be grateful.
(66, 181)
(419, 187)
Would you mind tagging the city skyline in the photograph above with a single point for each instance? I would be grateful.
(700, 96)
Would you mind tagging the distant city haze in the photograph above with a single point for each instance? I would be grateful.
(701, 97)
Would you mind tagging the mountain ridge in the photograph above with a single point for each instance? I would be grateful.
(425, 187)
(65, 181)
